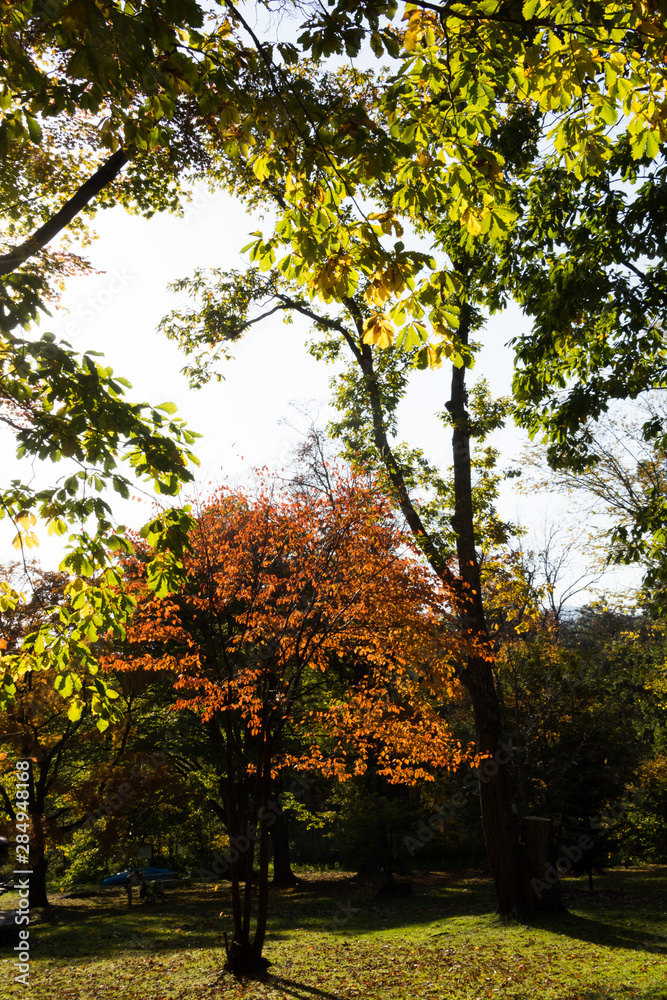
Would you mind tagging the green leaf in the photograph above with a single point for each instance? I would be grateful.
(34, 129)
(64, 685)
(652, 144)
(75, 711)
(529, 9)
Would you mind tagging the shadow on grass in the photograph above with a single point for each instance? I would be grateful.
(299, 990)
(347, 904)
(608, 935)
(86, 932)
(191, 918)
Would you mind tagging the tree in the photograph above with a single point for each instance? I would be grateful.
(156, 90)
(622, 487)
(101, 104)
(278, 592)
(59, 750)
(448, 143)
(91, 793)
(369, 395)
(70, 77)
(475, 84)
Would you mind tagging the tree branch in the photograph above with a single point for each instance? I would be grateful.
(364, 358)
(39, 239)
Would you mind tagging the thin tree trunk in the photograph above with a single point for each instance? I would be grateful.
(249, 848)
(233, 827)
(38, 862)
(263, 894)
(244, 954)
(477, 675)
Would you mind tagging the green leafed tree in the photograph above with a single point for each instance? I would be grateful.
(482, 102)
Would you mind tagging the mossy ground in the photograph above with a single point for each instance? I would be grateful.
(333, 939)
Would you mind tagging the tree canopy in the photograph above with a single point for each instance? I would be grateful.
(279, 594)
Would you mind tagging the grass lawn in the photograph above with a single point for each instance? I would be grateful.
(333, 939)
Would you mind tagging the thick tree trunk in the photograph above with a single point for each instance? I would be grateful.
(501, 842)
(38, 895)
(282, 868)
(541, 885)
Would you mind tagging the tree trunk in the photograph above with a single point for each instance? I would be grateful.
(477, 676)
(282, 868)
(263, 893)
(500, 835)
(541, 885)
(88, 190)
(38, 863)
(235, 951)
(244, 952)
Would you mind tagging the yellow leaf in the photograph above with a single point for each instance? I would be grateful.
(378, 330)
(377, 294)
(23, 535)
(412, 36)
(384, 284)
(472, 221)
(333, 278)
(434, 357)
(617, 62)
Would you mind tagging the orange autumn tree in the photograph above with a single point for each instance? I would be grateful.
(279, 591)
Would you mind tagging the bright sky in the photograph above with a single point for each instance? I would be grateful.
(117, 313)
